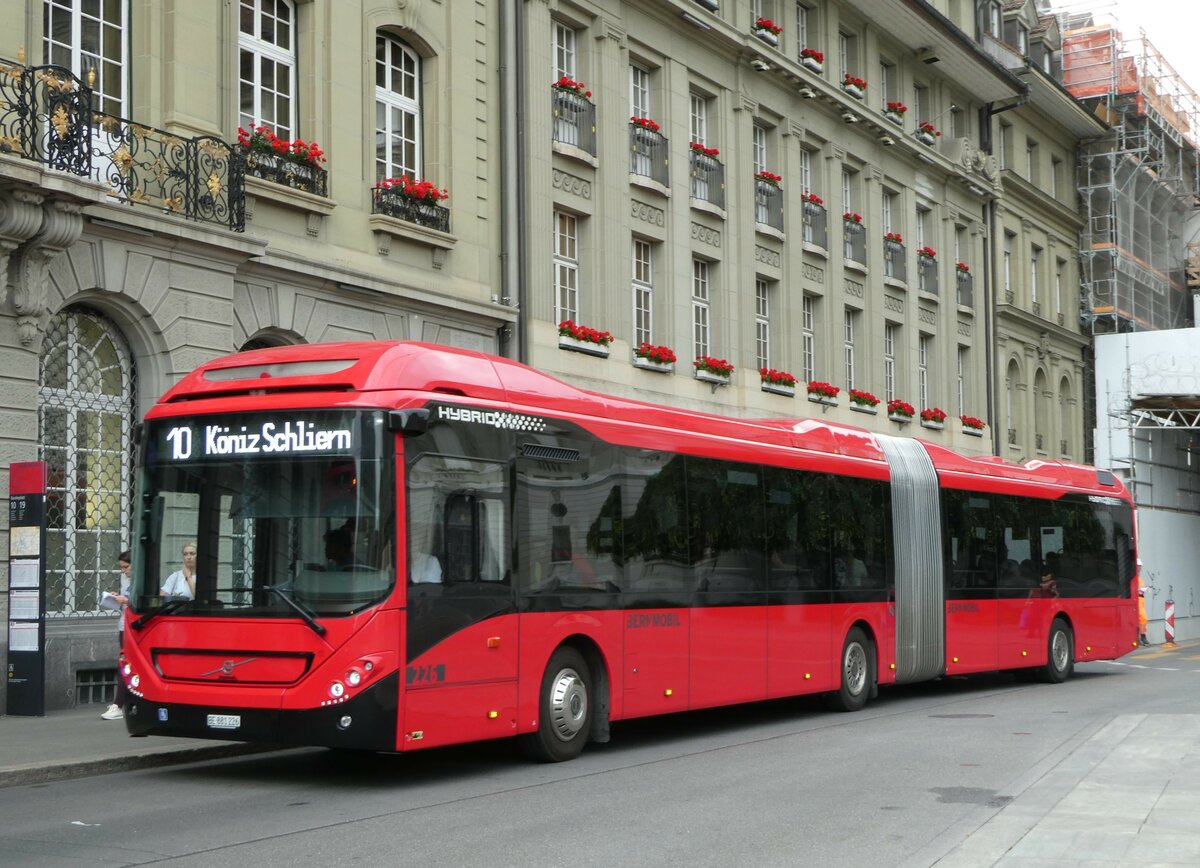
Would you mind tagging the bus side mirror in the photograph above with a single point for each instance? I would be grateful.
(408, 422)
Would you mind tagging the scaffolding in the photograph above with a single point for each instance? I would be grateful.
(1137, 184)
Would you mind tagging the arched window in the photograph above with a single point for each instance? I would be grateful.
(397, 109)
(1012, 401)
(1064, 415)
(1041, 412)
(86, 413)
(267, 66)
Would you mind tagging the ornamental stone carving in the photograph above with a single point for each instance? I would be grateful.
(648, 213)
(964, 329)
(854, 288)
(571, 184)
(926, 316)
(813, 273)
(705, 235)
(766, 256)
(895, 305)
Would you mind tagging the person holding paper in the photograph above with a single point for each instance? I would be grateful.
(182, 582)
(121, 598)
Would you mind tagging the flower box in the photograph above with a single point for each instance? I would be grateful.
(864, 408)
(894, 117)
(854, 91)
(779, 389)
(651, 365)
(972, 426)
(900, 411)
(713, 370)
(706, 376)
(710, 5)
(900, 417)
(766, 36)
(925, 138)
(577, 346)
(933, 418)
(569, 85)
(813, 59)
(935, 426)
(973, 432)
(822, 399)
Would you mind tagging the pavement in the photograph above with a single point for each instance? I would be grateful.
(1129, 795)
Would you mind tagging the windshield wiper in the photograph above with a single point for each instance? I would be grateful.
(300, 610)
(165, 609)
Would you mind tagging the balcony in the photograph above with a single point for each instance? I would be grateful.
(574, 120)
(927, 274)
(894, 262)
(854, 242)
(648, 154)
(816, 225)
(707, 179)
(278, 169)
(768, 205)
(423, 212)
(965, 283)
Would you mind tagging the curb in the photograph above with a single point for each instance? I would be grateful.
(16, 776)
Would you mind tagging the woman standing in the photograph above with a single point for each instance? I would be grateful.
(116, 710)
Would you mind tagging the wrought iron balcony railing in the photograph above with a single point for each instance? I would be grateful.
(768, 204)
(199, 178)
(708, 179)
(966, 288)
(574, 120)
(927, 274)
(894, 263)
(423, 212)
(648, 157)
(816, 225)
(45, 114)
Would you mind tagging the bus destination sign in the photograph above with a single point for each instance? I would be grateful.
(269, 437)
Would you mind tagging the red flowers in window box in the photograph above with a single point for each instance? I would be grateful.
(413, 189)
(928, 128)
(822, 390)
(570, 329)
(896, 407)
(776, 378)
(703, 149)
(852, 217)
(849, 80)
(928, 252)
(768, 178)
(813, 54)
(768, 25)
(896, 108)
(962, 268)
(662, 354)
(893, 236)
(719, 367)
(972, 422)
(933, 414)
(813, 199)
(646, 124)
(576, 87)
(862, 398)
(263, 139)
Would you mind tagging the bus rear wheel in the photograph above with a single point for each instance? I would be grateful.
(1060, 656)
(857, 673)
(564, 709)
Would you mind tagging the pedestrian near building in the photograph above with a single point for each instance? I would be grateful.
(1142, 620)
(116, 711)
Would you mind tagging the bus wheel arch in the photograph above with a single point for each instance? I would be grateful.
(1060, 652)
(572, 703)
(857, 670)
(600, 684)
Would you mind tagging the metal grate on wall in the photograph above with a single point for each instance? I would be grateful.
(95, 686)
(86, 416)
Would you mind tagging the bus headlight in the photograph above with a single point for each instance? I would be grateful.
(354, 678)
(135, 682)
(337, 689)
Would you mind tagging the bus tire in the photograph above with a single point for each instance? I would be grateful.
(1060, 654)
(564, 709)
(857, 666)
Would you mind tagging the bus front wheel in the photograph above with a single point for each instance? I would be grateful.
(564, 709)
(857, 673)
(1060, 656)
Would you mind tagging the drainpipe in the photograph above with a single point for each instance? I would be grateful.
(512, 176)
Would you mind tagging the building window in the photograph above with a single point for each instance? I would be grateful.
(86, 412)
(267, 66)
(83, 35)
(804, 20)
(887, 83)
(995, 21)
(847, 55)
(808, 321)
(889, 360)
(1005, 145)
(1055, 171)
(847, 191)
(698, 118)
(700, 307)
(643, 292)
(889, 212)
(924, 230)
(762, 322)
(1035, 258)
(564, 52)
(924, 345)
(961, 379)
(759, 150)
(566, 267)
(920, 104)
(1060, 265)
(1031, 155)
(1007, 275)
(848, 326)
(960, 243)
(957, 117)
(806, 173)
(639, 92)
(397, 109)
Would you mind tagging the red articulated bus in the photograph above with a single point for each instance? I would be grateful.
(403, 545)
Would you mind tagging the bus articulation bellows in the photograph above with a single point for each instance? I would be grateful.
(403, 545)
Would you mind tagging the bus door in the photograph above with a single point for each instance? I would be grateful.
(970, 564)
(461, 625)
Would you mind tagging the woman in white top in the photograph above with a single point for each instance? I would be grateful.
(182, 583)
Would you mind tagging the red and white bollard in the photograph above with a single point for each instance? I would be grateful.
(1170, 622)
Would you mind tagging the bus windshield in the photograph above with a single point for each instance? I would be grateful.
(274, 515)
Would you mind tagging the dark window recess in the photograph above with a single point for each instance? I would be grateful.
(95, 686)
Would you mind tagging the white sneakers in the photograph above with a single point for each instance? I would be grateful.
(113, 712)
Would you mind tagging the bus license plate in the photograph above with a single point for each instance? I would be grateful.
(224, 721)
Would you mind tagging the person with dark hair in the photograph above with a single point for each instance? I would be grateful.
(339, 547)
(116, 710)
